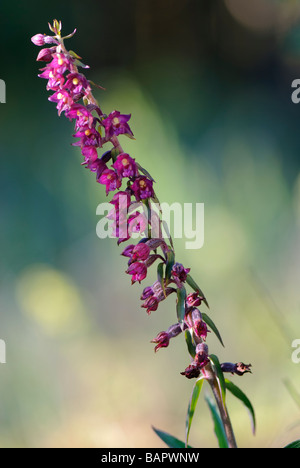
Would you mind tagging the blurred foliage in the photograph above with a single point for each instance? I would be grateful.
(208, 85)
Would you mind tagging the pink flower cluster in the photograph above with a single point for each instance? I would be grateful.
(73, 96)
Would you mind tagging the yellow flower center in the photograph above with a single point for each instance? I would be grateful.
(125, 162)
(75, 81)
(116, 121)
(60, 96)
(87, 132)
(142, 184)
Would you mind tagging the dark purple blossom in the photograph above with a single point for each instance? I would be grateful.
(178, 271)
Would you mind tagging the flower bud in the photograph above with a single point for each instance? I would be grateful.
(42, 39)
(45, 55)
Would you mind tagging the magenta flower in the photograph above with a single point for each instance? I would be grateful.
(125, 166)
(142, 188)
(116, 124)
(90, 154)
(110, 179)
(200, 329)
(63, 100)
(140, 252)
(137, 223)
(138, 270)
(60, 63)
(121, 200)
(162, 341)
(193, 300)
(78, 85)
(83, 116)
(88, 137)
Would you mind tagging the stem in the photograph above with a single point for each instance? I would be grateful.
(210, 376)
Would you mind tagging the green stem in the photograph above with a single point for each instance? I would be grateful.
(213, 382)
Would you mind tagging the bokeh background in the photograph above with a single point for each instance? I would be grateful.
(208, 84)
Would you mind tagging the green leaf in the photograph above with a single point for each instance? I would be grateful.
(211, 325)
(196, 288)
(295, 444)
(170, 263)
(292, 391)
(190, 344)
(220, 376)
(238, 393)
(160, 275)
(169, 440)
(181, 297)
(219, 428)
(144, 171)
(191, 408)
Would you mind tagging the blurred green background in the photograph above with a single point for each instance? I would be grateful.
(208, 84)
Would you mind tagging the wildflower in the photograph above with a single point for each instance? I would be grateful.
(116, 124)
(83, 116)
(137, 223)
(88, 137)
(78, 85)
(239, 368)
(178, 271)
(125, 166)
(138, 270)
(142, 188)
(200, 329)
(63, 100)
(110, 179)
(163, 338)
(162, 341)
(193, 300)
(191, 372)
(200, 361)
(151, 304)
